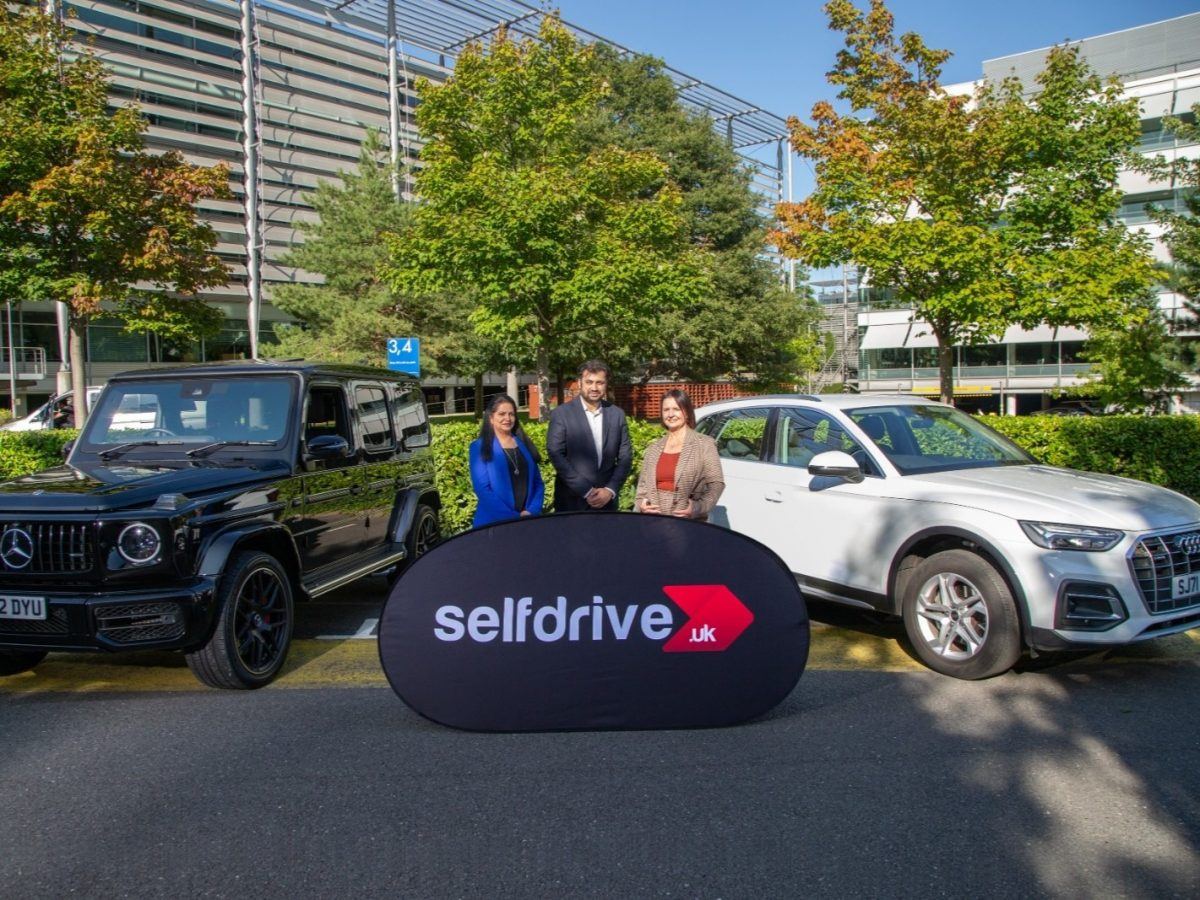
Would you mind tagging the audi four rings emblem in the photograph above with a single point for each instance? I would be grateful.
(1188, 543)
(16, 547)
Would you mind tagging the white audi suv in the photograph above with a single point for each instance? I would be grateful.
(913, 508)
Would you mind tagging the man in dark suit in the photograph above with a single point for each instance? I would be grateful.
(588, 443)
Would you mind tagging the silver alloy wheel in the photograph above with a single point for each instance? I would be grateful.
(952, 616)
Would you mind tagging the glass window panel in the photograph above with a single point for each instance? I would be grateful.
(373, 417)
(108, 341)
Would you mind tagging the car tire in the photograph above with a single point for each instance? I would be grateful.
(423, 535)
(14, 662)
(961, 617)
(253, 632)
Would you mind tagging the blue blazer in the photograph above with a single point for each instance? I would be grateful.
(493, 485)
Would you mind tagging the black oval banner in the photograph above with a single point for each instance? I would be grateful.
(594, 620)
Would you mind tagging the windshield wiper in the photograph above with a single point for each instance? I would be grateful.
(209, 449)
(114, 452)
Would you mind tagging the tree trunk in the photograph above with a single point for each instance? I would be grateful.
(78, 373)
(945, 371)
(479, 397)
(543, 383)
(559, 388)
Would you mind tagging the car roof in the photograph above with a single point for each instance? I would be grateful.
(302, 367)
(832, 401)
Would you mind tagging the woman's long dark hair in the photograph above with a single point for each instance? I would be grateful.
(487, 433)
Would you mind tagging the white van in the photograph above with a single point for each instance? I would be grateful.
(54, 413)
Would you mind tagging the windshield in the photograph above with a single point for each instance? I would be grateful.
(935, 439)
(182, 414)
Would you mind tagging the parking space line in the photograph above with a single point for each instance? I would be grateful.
(353, 662)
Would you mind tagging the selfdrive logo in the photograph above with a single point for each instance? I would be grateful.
(594, 620)
(715, 620)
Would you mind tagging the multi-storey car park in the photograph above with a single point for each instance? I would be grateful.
(284, 93)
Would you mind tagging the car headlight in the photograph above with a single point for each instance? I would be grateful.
(1055, 536)
(139, 543)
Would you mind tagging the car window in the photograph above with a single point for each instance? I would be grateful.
(373, 417)
(201, 410)
(739, 433)
(803, 433)
(326, 413)
(920, 438)
(408, 414)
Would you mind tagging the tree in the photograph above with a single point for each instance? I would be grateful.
(85, 213)
(1136, 369)
(740, 326)
(557, 240)
(979, 211)
(350, 317)
(1181, 228)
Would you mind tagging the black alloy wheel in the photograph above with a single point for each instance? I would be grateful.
(423, 535)
(254, 631)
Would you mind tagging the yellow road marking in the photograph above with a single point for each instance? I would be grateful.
(355, 663)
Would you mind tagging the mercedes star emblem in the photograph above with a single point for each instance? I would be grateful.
(16, 547)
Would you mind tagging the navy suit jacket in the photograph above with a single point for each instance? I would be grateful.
(492, 482)
(572, 450)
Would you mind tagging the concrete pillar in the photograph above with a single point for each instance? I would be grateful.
(1010, 404)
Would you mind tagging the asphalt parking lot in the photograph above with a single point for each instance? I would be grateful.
(121, 776)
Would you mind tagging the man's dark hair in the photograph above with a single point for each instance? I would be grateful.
(596, 365)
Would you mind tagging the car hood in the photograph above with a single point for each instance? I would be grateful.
(108, 487)
(1048, 494)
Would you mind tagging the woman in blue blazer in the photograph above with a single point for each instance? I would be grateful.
(504, 467)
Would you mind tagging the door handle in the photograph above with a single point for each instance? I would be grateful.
(773, 497)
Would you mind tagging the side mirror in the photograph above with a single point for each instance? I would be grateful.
(67, 448)
(835, 464)
(328, 446)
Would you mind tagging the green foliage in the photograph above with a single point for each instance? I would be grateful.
(26, 452)
(1181, 229)
(555, 239)
(1135, 369)
(350, 317)
(1163, 450)
(85, 213)
(978, 212)
(737, 328)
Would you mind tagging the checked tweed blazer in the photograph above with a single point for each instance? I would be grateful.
(698, 476)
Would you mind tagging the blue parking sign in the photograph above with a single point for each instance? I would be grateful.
(404, 355)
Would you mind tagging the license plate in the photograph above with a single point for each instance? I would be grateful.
(23, 608)
(1185, 585)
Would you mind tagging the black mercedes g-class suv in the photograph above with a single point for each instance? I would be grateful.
(199, 502)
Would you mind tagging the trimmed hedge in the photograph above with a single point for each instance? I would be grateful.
(23, 452)
(1162, 450)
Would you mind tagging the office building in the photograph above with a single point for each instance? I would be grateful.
(317, 77)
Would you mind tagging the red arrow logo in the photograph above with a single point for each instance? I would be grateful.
(717, 618)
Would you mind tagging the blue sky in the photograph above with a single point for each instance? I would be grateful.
(775, 53)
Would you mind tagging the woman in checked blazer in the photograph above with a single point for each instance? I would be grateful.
(681, 471)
